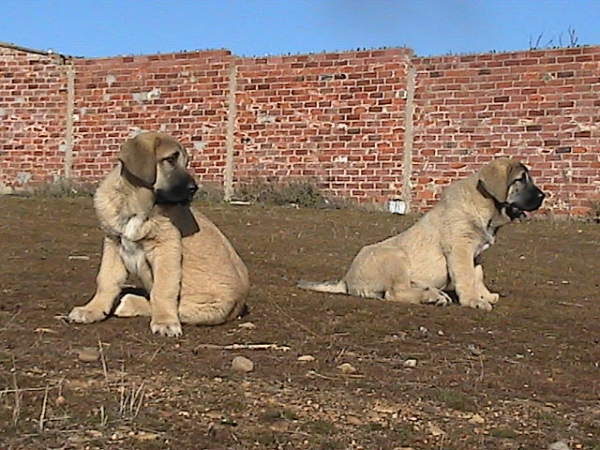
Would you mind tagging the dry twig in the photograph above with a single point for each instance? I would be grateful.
(284, 348)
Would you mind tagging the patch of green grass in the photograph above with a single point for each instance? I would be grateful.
(373, 426)
(322, 437)
(404, 431)
(504, 433)
(549, 419)
(274, 415)
(591, 429)
(271, 440)
(453, 399)
(321, 427)
(329, 444)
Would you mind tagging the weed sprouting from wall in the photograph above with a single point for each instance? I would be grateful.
(554, 42)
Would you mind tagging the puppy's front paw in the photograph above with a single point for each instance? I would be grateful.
(491, 297)
(82, 314)
(133, 228)
(477, 304)
(169, 329)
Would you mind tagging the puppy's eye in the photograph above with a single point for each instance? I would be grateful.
(172, 159)
(522, 178)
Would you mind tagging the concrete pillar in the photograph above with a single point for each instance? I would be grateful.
(409, 110)
(230, 142)
(69, 121)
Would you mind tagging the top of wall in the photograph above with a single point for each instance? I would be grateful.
(508, 55)
(404, 51)
(191, 54)
(19, 48)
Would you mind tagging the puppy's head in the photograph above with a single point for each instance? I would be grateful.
(157, 161)
(508, 182)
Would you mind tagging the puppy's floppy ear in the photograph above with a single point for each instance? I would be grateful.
(494, 178)
(138, 156)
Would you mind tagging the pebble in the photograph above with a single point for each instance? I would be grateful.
(247, 326)
(435, 430)
(476, 419)
(88, 354)
(347, 368)
(146, 436)
(474, 349)
(410, 363)
(242, 364)
(306, 358)
(559, 445)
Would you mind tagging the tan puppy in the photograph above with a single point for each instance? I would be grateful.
(189, 268)
(441, 251)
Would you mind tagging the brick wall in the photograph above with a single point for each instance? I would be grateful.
(32, 116)
(335, 119)
(181, 94)
(541, 106)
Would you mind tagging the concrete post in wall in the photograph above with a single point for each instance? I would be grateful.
(409, 110)
(68, 160)
(230, 141)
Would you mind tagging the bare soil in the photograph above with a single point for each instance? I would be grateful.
(523, 376)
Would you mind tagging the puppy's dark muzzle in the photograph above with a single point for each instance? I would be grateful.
(534, 200)
(181, 192)
(530, 200)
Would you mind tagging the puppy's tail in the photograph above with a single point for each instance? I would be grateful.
(331, 287)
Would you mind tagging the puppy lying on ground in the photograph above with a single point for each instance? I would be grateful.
(189, 268)
(442, 250)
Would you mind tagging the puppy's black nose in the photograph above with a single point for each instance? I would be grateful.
(192, 188)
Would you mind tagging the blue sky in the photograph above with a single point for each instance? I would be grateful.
(95, 28)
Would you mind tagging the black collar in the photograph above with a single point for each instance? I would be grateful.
(500, 206)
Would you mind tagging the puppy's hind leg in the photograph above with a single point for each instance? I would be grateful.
(406, 291)
(418, 295)
(208, 310)
(132, 305)
(434, 296)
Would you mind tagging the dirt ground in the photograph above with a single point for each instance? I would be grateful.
(524, 376)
